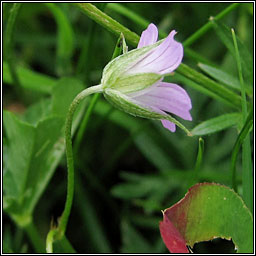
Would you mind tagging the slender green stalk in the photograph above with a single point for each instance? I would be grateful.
(208, 25)
(50, 240)
(240, 139)
(34, 237)
(58, 233)
(239, 68)
(8, 45)
(107, 22)
(119, 8)
(128, 13)
(170, 118)
(69, 154)
(199, 156)
(229, 96)
(247, 177)
(84, 123)
(195, 172)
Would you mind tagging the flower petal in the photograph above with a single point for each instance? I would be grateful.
(148, 36)
(163, 59)
(168, 125)
(169, 98)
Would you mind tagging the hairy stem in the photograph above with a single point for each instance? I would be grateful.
(69, 154)
(58, 233)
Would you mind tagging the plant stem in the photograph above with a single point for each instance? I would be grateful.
(69, 154)
(240, 139)
(247, 179)
(208, 25)
(107, 22)
(84, 123)
(239, 68)
(34, 237)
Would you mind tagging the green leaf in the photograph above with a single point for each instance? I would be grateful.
(225, 36)
(37, 112)
(216, 124)
(20, 137)
(223, 77)
(29, 79)
(34, 151)
(208, 211)
(33, 154)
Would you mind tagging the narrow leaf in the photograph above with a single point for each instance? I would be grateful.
(223, 77)
(217, 124)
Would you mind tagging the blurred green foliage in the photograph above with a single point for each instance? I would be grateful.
(127, 169)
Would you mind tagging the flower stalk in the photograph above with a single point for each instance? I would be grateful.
(58, 232)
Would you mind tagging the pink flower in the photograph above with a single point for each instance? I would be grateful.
(134, 81)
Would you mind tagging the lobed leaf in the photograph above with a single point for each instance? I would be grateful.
(206, 212)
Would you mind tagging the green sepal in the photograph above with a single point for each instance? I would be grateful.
(130, 106)
(138, 82)
(118, 66)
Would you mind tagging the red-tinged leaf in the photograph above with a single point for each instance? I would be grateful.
(172, 237)
(206, 212)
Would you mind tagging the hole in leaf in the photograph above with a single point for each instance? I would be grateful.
(216, 245)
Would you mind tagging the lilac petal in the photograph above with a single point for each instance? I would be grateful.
(163, 59)
(148, 36)
(168, 125)
(169, 98)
